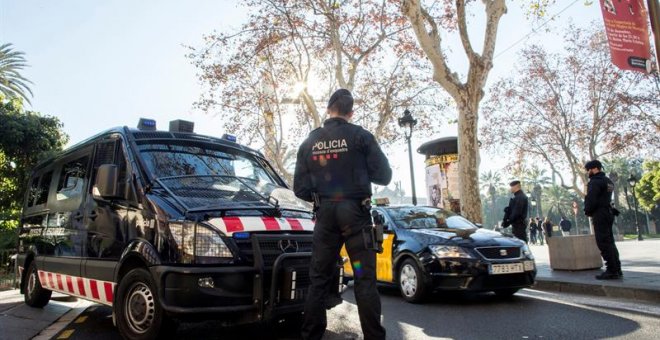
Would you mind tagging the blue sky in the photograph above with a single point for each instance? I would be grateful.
(99, 64)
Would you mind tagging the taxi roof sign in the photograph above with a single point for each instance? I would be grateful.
(383, 201)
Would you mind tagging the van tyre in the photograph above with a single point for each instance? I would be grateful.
(137, 310)
(35, 294)
(412, 282)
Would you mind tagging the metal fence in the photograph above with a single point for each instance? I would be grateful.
(7, 269)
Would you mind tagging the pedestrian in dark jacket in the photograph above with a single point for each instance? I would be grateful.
(533, 230)
(598, 206)
(547, 226)
(516, 212)
(565, 226)
(539, 224)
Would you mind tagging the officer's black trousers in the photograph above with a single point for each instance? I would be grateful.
(603, 220)
(519, 230)
(338, 223)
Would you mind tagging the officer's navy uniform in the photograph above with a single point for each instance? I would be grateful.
(597, 204)
(339, 162)
(517, 214)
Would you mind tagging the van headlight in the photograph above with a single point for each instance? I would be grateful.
(450, 252)
(197, 243)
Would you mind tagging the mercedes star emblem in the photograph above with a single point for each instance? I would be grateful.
(288, 246)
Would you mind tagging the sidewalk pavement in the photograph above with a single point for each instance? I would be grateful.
(18, 321)
(640, 261)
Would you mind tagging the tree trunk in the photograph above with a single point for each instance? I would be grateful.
(468, 167)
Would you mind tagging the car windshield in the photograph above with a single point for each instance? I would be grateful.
(428, 218)
(204, 175)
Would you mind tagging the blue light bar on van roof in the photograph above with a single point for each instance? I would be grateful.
(241, 236)
(229, 137)
(146, 124)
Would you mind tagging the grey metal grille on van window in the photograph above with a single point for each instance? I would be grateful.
(152, 134)
(497, 253)
(209, 191)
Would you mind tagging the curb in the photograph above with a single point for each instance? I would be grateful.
(631, 293)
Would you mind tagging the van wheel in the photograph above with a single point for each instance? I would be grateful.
(412, 282)
(35, 294)
(137, 309)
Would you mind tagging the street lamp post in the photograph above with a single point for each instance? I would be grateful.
(407, 122)
(632, 181)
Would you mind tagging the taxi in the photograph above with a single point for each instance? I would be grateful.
(427, 249)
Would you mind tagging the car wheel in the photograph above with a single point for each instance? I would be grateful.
(412, 282)
(138, 312)
(35, 294)
(505, 293)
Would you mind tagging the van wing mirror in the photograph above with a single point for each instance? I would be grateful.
(106, 185)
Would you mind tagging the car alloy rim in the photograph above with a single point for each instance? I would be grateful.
(408, 280)
(140, 308)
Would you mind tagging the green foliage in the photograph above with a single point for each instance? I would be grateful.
(12, 83)
(648, 188)
(26, 137)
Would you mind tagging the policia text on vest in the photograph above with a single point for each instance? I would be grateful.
(337, 164)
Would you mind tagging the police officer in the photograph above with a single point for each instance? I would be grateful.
(515, 213)
(337, 163)
(598, 206)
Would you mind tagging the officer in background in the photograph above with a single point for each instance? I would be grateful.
(337, 163)
(516, 212)
(598, 206)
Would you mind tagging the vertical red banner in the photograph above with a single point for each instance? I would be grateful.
(627, 31)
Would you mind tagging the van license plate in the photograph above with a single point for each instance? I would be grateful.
(507, 268)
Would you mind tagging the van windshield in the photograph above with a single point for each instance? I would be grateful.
(205, 177)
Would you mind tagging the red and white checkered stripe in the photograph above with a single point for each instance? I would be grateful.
(230, 225)
(90, 289)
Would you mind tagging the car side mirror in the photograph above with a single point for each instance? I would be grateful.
(479, 225)
(106, 185)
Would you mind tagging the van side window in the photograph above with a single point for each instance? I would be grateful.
(33, 192)
(44, 185)
(70, 185)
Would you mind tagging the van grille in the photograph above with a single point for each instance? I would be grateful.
(271, 246)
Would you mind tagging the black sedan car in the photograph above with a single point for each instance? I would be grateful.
(427, 249)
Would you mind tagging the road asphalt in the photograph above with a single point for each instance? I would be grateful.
(641, 281)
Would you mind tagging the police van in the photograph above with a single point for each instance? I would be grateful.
(163, 225)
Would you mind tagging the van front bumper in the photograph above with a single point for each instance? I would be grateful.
(243, 294)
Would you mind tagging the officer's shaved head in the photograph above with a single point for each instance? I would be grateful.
(341, 102)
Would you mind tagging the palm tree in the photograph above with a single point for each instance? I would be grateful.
(12, 83)
(559, 199)
(490, 181)
(536, 179)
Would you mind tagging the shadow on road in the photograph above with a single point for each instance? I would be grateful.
(486, 316)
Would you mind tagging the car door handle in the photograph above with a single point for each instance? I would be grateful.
(93, 215)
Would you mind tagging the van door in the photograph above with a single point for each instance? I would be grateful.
(105, 219)
(65, 233)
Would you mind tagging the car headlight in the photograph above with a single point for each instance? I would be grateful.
(450, 252)
(199, 244)
(526, 251)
